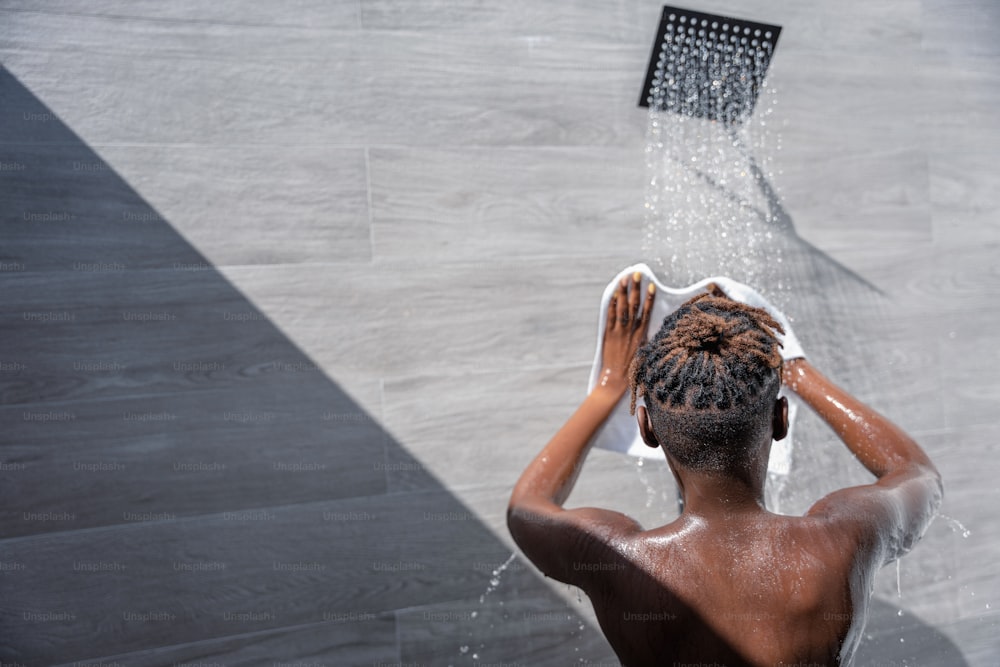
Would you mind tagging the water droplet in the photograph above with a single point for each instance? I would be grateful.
(464, 649)
(956, 526)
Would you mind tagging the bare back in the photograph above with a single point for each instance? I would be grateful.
(727, 583)
(772, 590)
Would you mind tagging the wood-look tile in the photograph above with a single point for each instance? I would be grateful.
(426, 317)
(893, 639)
(453, 204)
(341, 14)
(452, 89)
(886, 112)
(85, 335)
(964, 207)
(937, 580)
(203, 84)
(455, 428)
(528, 629)
(969, 364)
(68, 208)
(346, 639)
(977, 637)
(65, 209)
(866, 198)
(455, 423)
(72, 209)
(936, 278)
(968, 501)
(458, 89)
(960, 29)
(874, 30)
(832, 103)
(866, 28)
(618, 21)
(176, 581)
(80, 464)
(958, 99)
(263, 205)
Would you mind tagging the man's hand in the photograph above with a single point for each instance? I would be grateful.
(625, 330)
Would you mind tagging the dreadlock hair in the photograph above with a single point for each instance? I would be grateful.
(709, 378)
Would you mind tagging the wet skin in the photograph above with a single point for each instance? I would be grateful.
(727, 582)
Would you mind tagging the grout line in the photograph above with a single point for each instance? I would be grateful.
(388, 263)
(451, 372)
(434, 146)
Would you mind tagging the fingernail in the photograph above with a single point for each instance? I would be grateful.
(637, 276)
(652, 288)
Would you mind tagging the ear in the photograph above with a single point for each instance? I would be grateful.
(779, 421)
(646, 427)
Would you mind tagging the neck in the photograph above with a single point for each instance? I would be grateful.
(722, 495)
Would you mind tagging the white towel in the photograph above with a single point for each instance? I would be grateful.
(620, 433)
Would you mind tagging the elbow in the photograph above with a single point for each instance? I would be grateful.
(935, 484)
(525, 524)
(511, 518)
(515, 511)
(517, 520)
(516, 525)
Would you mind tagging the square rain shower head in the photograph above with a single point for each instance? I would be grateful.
(708, 66)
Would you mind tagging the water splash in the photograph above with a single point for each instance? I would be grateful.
(899, 585)
(955, 525)
(709, 205)
(495, 580)
(495, 577)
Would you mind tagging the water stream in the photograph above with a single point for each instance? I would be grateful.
(711, 208)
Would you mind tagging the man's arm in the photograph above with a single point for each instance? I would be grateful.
(549, 535)
(895, 511)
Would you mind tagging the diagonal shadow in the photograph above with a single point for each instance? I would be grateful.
(181, 482)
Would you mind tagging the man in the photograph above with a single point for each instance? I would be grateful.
(726, 583)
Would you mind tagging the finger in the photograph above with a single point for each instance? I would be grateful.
(620, 303)
(612, 317)
(633, 297)
(647, 308)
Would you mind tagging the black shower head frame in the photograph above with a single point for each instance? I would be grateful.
(708, 65)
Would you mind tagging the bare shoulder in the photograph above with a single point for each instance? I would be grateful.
(572, 546)
(885, 518)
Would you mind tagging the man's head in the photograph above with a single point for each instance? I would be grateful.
(710, 380)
